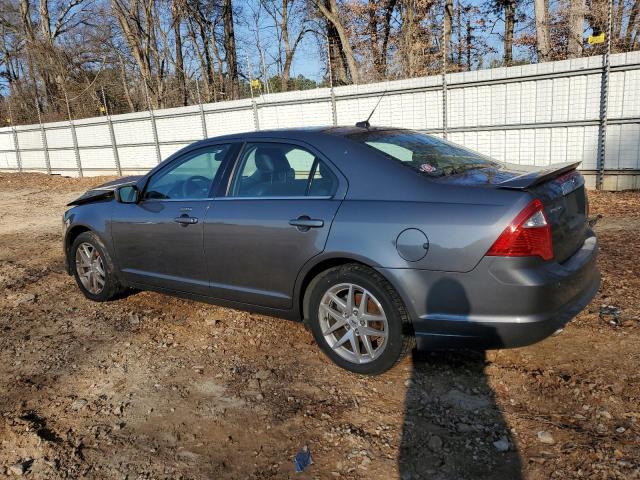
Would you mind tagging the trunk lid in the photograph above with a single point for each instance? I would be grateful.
(559, 187)
(566, 207)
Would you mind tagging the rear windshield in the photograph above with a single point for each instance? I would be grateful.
(423, 153)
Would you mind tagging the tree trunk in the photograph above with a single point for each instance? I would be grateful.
(36, 60)
(459, 46)
(469, 40)
(337, 62)
(409, 26)
(448, 18)
(391, 5)
(27, 29)
(373, 38)
(330, 10)
(288, 60)
(230, 47)
(125, 86)
(543, 45)
(137, 38)
(509, 25)
(288, 57)
(632, 25)
(576, 28)
(180, 76)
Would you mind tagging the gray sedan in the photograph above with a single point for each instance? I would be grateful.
(379, 239)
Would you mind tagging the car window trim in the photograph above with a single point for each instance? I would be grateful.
(298, 197)
(312, 173)
(226, 194)
(185, 158)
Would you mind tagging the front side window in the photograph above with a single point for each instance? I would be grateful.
(423, 153)
(190, 179)
(281, 170)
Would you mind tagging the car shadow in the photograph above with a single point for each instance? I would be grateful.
(453, 427)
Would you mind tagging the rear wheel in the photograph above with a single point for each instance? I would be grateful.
(358, 319)
(93, 268)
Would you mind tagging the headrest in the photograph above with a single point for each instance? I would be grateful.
(271, 160)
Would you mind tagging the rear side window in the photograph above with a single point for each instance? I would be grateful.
(423, 153)
(281, 170)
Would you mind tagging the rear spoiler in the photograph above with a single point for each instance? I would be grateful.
(536, 177)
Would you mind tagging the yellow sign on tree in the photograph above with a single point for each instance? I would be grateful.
(255, 84)
(595, 39)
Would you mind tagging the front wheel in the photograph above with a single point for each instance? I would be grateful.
(358, 319)
(93, 268)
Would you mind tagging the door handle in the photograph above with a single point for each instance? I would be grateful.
(185, 220)
(304, 223)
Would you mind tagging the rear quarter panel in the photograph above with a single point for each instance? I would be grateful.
(460, 224)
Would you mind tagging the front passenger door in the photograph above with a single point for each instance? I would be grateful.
(158, 241)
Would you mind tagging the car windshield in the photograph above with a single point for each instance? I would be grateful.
(423, 153)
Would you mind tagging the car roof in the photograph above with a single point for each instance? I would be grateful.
(301, 133)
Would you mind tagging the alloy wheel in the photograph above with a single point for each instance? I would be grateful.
(90, 268)
(353, 323)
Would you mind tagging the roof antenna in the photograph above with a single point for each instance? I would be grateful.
(366, 123)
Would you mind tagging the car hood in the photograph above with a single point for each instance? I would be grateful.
(104, 191)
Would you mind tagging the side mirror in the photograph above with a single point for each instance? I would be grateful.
(127, 194)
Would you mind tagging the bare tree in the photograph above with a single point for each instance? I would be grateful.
(543, 42)
(508, 9)
(177, 7)
(329, 9)
(447, 21)
(230, 47)
(138, 22)
(419, 37)
(379, 30)
(576, 28)
(632, 32)
(283, 13)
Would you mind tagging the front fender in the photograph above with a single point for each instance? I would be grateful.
(94, 217)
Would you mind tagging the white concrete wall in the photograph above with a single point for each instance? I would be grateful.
(532, 114)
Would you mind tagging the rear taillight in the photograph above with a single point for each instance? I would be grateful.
(528, 235)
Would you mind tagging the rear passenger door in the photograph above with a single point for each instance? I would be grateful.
(276, 215)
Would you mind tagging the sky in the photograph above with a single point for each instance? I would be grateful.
(308, 61)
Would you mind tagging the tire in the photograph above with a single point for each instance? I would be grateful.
(90, 243)
(374, 299)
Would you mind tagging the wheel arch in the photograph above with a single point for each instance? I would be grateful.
(312, 274)
(70, 236)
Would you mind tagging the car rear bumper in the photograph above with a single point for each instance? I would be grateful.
(502, 303)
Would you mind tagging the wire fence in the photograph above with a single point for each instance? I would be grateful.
(531, 114)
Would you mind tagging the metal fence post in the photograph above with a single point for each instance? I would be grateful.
(45, 145)
(154, 129)
(604, 103)
(444, 79)
(112, 134)
(256, 118)
(16, 143)
(74, 137)
(334, 110)
(254, 105)
(202, 117)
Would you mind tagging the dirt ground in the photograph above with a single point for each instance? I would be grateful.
(151, 386)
